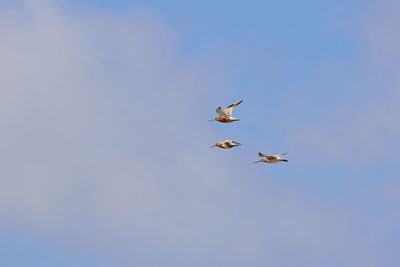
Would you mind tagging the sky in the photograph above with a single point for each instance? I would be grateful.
(104, 109)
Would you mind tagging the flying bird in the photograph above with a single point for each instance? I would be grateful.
(226, 144)
(225, 116)
(271, 158)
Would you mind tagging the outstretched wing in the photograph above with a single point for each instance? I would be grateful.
(228, 110)
(221, 113)
(228, 143)
(261, 155)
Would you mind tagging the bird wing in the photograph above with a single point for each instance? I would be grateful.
(221, 113)
(228, 142)
(228, 110)
(261, 155)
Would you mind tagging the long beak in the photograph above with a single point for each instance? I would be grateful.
(212, 146)
(285, 160)
(211, 120)
(257, 161)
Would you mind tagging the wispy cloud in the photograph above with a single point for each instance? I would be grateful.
(365, 130)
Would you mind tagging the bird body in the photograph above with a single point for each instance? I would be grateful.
(271, 158)
(225, 120)
(225, 116)
(226, 144)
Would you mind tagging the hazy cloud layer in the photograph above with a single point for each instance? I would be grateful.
(103, 147)
(362, 127)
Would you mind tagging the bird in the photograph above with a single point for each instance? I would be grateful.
(271, 158)
(225, 116)
(226, 144)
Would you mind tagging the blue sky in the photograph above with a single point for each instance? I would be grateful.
(105, 133)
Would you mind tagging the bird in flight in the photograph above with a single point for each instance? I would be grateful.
(226, 144)
(271, 158)
(225, 116)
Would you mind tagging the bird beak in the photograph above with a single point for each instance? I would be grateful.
(212, 146)
(211, 120)
(285, 160)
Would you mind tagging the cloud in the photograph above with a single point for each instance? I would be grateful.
(104, 146)
(361, 125)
